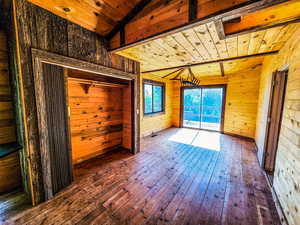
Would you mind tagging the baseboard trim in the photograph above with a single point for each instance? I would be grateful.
(240, 136)
(277, 202)
(150, 133)
(278, 206)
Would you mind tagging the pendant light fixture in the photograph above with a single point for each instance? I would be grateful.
(189, 80)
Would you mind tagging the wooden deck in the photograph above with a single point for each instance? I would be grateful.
(182, 176)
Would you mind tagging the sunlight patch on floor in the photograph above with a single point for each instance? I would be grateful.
(184, 136)
(208, 140)
(199, 138)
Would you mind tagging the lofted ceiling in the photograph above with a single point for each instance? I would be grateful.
(202, 43)
(169, 33)
(100, 16)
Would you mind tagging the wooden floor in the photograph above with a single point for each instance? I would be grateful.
(12, 203)
(180, 177)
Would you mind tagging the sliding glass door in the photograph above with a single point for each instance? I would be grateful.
(203, 107)
(192, 107)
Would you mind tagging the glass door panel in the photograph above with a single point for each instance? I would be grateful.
(202, 108)
(191, 107)
(211, 108)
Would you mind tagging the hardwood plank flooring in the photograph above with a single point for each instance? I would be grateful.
(12, 203)
(181, 176)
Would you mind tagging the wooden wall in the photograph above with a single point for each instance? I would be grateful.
(160, 121)
(287, 168)
(10, 173)
(38, 28)
(241, 101)
(127, 119)
(96, 120)
(7, 125)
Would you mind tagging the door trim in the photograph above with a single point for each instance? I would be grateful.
(279, 121)
(223, 86)
(40, 57)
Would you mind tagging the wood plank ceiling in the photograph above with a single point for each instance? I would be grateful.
(202, 43)
(194, 44)
(100, 16)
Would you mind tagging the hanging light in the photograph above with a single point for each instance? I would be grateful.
(189, 80)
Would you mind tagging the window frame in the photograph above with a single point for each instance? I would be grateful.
(154, 83)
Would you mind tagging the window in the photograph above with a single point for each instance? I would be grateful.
(154, 93)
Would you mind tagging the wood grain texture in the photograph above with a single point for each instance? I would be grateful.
(13, 203)
(178, 178)
(241, 100)
(286, 176)
(162, 16)
(58, 129)
(275, 114)
(265, 17)
(10, 173)
(96, 119)
(97, 16)
(43, 30)
(202, 44)
(7, 124)
(127, 101)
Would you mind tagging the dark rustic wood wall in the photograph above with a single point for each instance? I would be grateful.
(127, 117)
(57, 120)
(37, 28)
(7, 123)
(10, 176)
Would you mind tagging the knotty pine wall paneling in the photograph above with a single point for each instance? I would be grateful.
(287, 167)
(96, 120)
(241, 101)
(37, 28)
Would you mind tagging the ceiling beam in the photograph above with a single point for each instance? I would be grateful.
(175, 71)
(147, 31)
(193, 8)
(258, 28)
(120, 27)
(213, 61)
(275, 16)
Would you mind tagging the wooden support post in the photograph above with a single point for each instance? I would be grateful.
(220, 29)
(122, 36)
(193, 8)
(222, 69)
(121, 25)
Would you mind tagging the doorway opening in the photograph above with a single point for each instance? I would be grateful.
(203, 107)
(80, 115)
(100, 111)
(276, 103)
